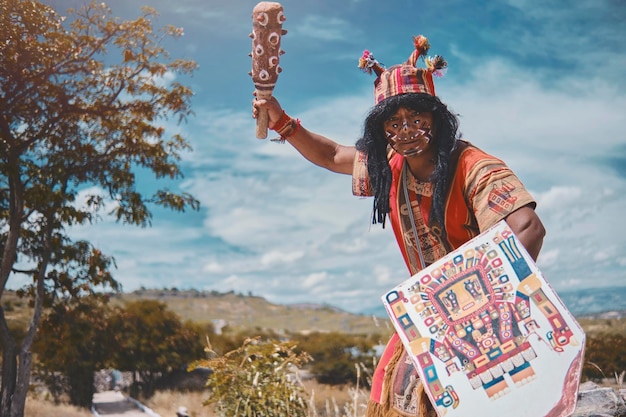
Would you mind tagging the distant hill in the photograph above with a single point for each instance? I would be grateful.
(248, 312)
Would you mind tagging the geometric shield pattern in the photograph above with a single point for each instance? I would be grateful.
(487, 333)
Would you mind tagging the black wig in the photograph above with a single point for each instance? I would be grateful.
(374, 145)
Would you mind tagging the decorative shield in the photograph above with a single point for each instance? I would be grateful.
(487, 333)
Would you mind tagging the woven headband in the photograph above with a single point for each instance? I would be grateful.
(407, 77)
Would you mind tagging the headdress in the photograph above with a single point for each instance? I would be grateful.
(407, 77)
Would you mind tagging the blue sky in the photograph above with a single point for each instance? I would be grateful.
(539, 83)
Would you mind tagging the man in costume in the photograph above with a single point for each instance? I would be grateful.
(411, 155)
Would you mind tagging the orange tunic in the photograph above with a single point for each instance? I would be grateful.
(483, 191)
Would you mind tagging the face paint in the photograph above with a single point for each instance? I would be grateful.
(409, 132)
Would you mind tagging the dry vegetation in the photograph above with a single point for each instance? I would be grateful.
(597, 326)
(40, 407)
(165, 403)
(329, 401)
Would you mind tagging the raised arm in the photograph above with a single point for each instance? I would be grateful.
(316, 148)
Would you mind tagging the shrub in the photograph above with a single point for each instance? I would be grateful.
(256, 380)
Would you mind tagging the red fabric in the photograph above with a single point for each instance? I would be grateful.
(483, 191)
(379, 372)
(479, 180)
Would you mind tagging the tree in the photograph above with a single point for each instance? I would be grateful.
(71, 122)
(153, 341)
(74, 340)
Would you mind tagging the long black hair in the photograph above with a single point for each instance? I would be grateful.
(374, 145)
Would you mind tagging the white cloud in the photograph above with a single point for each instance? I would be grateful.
(507, 107)
(273, 224)
(325, 28)
(300, 234)
(548, 258)
(275, 257)
(213, 267)
(558, 198)
(300, 225)
(314, 280)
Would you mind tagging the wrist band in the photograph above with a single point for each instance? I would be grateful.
(286, 126)
(282, 123)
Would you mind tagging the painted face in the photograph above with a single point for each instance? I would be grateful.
(409, 132)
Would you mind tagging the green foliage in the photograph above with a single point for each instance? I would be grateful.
(74, 340)
(257, 380)
(338, 358)
(85, 335)
(153, 341)
(605, 356)
(335, 355)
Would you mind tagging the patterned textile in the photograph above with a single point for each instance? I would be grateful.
(403, 79)
(406, 77)
(483, 191)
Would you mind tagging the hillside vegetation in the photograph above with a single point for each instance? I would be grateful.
(242, 312)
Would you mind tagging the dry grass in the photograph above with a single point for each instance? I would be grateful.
(165, 403)
(599, 326)
(336, 401)
(329, 401)
(40, 407)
